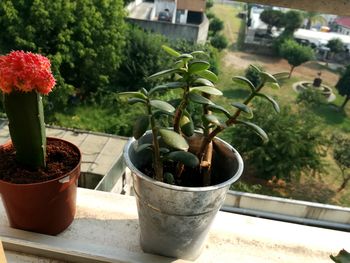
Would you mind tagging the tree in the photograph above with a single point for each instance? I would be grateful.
(343, 86)
(292, 20)
(295, 53)
(335, 45)
(216, 24)
(84, 39)
(294, 146)
(341, 154)
(143, 57)
(273, 18)
(219, 41)
(313, 17)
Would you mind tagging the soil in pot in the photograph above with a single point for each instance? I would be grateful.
(61, 158)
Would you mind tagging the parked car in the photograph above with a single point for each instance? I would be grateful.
(164, 16)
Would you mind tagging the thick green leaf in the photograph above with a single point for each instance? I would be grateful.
(207, 74)
(143, 147)
(167, 86)
(140, 126)
(281, 75)
(342, 257)
(144, 91)
(244, 82)
(169, 178)
(186, 125)
(186, 158)
(185, 57)
(255, 68)
(132, 101)
(179, 64)
(256, 129)
(207, 89)
(164, 150)
(213, 119)
(273, 102)
(164, 73)
(197, 66)
(267, 77)
(133, 94)
(217, 108)
(199, 52)
(274, 85)
(173, 139)
(162, 105)
(199, 99)
(242, 107)
(170, 51)
(204, 82)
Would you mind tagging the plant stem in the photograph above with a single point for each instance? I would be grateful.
(157, 161)
(208, 139)
(180, 109)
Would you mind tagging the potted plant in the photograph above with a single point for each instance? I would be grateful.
(38, 175)
(181, 175)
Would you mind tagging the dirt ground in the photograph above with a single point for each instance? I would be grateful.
(308, 70)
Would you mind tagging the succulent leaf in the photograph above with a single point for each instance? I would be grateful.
(140, 126)
(173, 139)
(243, 81)
(273, 102)
(197, 66)
(207, 74)
(199, 99)
(186, 158)
(170, 51)
(162, 105)
(262, 134)
(207, 89)
(164, 73)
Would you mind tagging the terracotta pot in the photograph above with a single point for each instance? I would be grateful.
(46, 207)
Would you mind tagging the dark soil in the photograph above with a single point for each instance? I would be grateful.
(60, 159)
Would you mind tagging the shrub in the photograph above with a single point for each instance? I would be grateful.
(253, 75)
(219, 41)
(216, 25)
(294, 146)
(311, 97)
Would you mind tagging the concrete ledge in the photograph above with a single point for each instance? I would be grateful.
(106, 230)
(303, 212)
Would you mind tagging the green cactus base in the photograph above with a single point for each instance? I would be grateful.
(27, 128)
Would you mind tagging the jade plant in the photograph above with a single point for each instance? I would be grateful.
(24, 77)
(191, 77)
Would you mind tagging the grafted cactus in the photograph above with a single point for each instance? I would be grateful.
(26, 123)
(23, 78)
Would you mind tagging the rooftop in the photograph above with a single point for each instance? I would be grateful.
(343, 21)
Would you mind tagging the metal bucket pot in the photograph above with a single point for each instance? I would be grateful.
(175, 220)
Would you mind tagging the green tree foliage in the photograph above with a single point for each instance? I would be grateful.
(273, 18)
(216, 25)
(84, 40)
(341, 154)
(292, 20)
(343, 86)
(143, 57)
(294, 145)
(209, 4)
(335, 45)
(313, 17)
(219, 41)
(295, 53)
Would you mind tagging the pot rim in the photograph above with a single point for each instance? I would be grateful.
(52, 180)
(233, 179)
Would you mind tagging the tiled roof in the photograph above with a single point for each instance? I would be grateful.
(343, 21)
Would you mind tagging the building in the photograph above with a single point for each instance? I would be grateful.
(343, 25)
(176, 19)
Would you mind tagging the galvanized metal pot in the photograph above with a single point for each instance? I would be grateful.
(174, 220)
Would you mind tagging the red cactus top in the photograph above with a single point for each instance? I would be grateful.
(25, 71)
